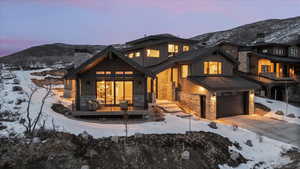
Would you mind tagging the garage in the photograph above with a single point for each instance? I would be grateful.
(232, 104)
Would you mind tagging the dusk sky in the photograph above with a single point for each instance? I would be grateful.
(24, 23)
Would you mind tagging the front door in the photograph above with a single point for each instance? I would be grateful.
(113, 92)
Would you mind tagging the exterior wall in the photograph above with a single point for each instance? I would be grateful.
(244, 62)
(69, 89)
(197, 68)
(164, 55)
(231, 49)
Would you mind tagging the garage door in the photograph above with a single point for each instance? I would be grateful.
(230, 105)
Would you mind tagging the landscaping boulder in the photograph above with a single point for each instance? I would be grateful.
(19, 101)
(213, 125)
(291, 115)
(280, 113)
(249, 143)
(2, 127)
(17, 88)
(59, 108)
(16, 81)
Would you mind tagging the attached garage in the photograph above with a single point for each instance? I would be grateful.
(232, 104)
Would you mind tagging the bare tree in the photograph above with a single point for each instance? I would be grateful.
(30, 123)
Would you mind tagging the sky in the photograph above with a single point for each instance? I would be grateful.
(26, 23)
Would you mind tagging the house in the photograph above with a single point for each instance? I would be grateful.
(203, 81)
(274, 66)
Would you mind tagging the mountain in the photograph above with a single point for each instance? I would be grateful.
(48, 54)
(275, 30)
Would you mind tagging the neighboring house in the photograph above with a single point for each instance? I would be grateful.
(201, 80)
(274, 66)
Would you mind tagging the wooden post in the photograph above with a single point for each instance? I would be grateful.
(77, 99)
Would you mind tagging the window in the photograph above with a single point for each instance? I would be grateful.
(213, 68)
(173, 49)
(184, 71)
(265, 65)
(278, 51)
(119, 73)
(124, 73)
(153, 53)
(128, 73)
(131, 55)
(137, 54)
(186, 48)
(103, 72)
(265, 51)
(293, 51)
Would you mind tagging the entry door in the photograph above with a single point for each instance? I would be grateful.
(202, 106)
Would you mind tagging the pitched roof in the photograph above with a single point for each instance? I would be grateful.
(275, 58)
(102, 55)
(217, 83)
(165, 36)
(189, 57)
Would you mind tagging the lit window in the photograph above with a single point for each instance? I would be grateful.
(137, 54)
(131, 55)
(173, 49)
(213, 68)
(153, 53)
(184, 71)
(128, 73)
(100, 73)
(119, 73)
(265, 65)
(107, 73)
(186, 48)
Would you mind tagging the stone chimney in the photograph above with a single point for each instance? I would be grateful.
(260, 37)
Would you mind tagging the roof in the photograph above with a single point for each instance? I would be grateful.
(99, 57)
(190, 56)
(217, 83)
(294, 43)
(275, 58)
(165, 36)
(268, 44)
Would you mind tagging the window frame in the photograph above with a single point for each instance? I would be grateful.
(183, 74)
(206, 67)
(148, 53)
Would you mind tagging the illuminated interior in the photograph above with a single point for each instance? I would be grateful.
(212, 68)
(137, 54)
(265, 65)
(184, 71)
(113, 92)
(186, 48)
(172, 48)
(153, 53)
(131, 55)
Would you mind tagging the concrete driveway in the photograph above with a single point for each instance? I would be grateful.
(272, 128)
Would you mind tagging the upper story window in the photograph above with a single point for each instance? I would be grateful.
(293, 51)
(212, 68)
(278, 51)
(265, 65)
(116, 73)
(136, 54)
(153, 53)
(186, 48)
(265, 51)
(173, 49)
(103, 72)
(184, 71)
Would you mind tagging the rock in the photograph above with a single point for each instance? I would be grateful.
(213, 125)
(185, 155)
(16, 81)
(85, 167)
(59, 108)
(2, 127)
(36, 140)
(291, 115)
(237, 145)
(280, 113)
(234, 155)
(91, 153)
(10, 102)
(85, 135)
(17, 88)
(19, 101)
(115, 139)
(249, 143)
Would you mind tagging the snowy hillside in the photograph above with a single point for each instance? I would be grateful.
(276, 30)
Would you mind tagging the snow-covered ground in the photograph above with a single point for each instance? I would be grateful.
(265, 150)
(275, 106)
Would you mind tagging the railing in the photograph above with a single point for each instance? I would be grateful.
(277, 76)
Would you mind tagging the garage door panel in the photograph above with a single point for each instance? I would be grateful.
(230, 105)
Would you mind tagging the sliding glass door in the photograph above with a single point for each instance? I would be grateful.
(113, 92)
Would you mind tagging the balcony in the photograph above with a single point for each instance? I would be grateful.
(277, 76)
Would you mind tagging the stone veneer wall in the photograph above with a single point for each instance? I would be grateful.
(191, 101)
(244, 62)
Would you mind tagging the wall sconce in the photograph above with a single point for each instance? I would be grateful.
(213, 97)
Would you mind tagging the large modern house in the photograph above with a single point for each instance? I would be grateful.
(211, 82)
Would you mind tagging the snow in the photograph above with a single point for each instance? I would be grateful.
(275, 106)
(267, 151)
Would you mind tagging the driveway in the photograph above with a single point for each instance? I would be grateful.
(272, 128)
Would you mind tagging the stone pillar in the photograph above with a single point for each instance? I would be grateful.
(211, 109)
(251, 102)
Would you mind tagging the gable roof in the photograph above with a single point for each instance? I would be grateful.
(165, 36)
(93, 61)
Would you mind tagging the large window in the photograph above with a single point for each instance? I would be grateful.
(265, 65)
(213, 68)
(153, 53)
(186, 48)
(293, 51)
(173, 49)
(184, 71)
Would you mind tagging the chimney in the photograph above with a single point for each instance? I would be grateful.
(260, 37)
